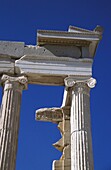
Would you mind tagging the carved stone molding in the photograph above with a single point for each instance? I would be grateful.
(54, 114)
(81, 142)
(61, 116)
(9, 119)
(21, 80)
(71, 81)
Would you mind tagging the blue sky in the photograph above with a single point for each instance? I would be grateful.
(19, 21)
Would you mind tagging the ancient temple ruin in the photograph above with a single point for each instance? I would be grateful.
(62, 58)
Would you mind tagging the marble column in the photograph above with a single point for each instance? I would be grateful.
(81, 141)
(9, 119)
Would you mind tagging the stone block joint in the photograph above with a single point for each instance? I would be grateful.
(56, 55)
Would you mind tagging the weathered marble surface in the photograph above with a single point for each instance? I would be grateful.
(61, 116)
(9, 119)
(13, 49)
(7, 65)
(57, 55)
(41, 69)
(73, 120)
(81, 141)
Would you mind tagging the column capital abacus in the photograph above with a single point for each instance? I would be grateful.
(20, 79)
(70, 81)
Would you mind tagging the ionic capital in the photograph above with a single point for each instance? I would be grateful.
(22, 80)
(71, 81)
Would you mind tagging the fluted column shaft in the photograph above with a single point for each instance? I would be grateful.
(81, 141)
(81, 145)
(9, 119)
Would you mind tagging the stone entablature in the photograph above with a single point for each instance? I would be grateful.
(57, 54)
(59, 58)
